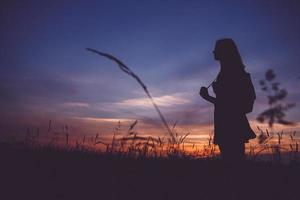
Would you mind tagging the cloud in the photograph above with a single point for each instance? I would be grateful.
(77, 104)
(163, 101)
(104, 120)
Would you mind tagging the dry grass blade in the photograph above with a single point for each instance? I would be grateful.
(174, 125)
(126, 69)
(184, 137)
(49, 125)
(100, 142)
(132, 126)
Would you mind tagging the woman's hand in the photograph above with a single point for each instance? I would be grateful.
(204, 92)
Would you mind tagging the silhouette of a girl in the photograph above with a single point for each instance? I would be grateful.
(232, 129)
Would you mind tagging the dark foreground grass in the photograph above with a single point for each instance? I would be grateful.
(47, 172)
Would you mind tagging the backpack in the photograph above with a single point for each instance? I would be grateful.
(249, 94)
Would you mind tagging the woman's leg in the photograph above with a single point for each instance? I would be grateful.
(233, 151)
(232, 155)
(240, 151)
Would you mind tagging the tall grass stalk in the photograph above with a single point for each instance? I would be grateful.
(128, 71)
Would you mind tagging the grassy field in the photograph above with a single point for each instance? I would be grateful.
(54, 172)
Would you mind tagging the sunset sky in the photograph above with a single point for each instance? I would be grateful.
(46, 73)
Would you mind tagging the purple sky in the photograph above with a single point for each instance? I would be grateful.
(46, 73)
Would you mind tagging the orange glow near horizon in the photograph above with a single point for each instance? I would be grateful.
(198, 140)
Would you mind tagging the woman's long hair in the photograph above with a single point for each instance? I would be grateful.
(229, 56)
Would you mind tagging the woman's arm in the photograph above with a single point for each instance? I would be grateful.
(211, 99)
(204, 94)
